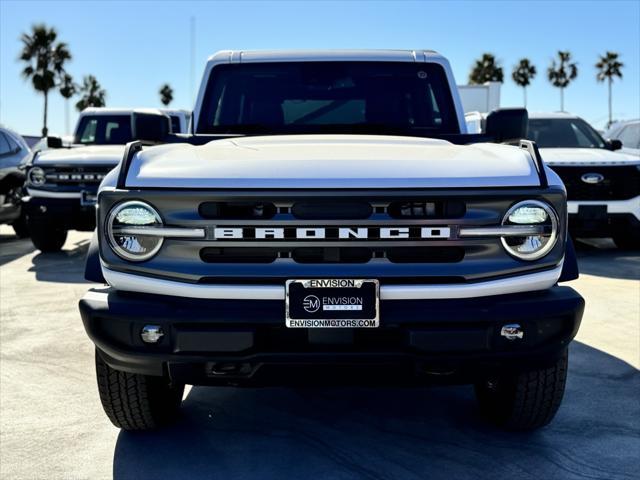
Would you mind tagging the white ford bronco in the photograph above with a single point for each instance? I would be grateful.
(329, 220)
(62, 182)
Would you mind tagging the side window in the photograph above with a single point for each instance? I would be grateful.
(13, 145)
(88, 135)
(175, 124)
(5, 148)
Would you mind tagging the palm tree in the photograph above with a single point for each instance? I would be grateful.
(522, 74)
(67, 89)
(93, 94)
(166, 94)
(608, 67)
(45, 58)
(486, 69)
(561, 73)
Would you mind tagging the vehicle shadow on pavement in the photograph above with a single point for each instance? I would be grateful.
(66, 266)
(601, 258)
(12, 248)
(393, 433)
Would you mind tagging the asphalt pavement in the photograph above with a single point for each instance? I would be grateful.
(52, 425)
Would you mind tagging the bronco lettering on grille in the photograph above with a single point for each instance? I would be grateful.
(331, 233)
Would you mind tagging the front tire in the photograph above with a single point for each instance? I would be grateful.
(136, 402)
(523, 401)
(47, 237)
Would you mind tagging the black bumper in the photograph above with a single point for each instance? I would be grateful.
(596, 222)
(231, 341)
(68, 213)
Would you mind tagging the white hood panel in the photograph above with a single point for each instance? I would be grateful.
(331, 161)
(586, 157)
(93, 154)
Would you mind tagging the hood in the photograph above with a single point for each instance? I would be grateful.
(331, 161)
(92, 154)
(586, 157)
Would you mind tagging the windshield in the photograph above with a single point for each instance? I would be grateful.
(328, 97)
(104, 130)
(564, 133)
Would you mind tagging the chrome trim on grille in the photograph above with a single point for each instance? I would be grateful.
(503, 231)
(162, 232)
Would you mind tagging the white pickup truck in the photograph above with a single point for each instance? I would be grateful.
(328, 220)
(62, 182)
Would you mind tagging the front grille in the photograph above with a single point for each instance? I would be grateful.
(264, 237)
(80, 176)
(619, 182)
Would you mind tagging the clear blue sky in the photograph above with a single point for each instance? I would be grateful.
(134, 47)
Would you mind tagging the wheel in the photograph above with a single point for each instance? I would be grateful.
(46, 237)
(523, 401)
(136, 402)
(20, 227)
(627, 241)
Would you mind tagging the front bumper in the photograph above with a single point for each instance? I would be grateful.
(603, 218)
(67, 212)
(242, 341)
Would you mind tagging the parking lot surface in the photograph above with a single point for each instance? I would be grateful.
(52, 425)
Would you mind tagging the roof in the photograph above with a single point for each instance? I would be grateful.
(239, 56)
(552, 115)
(117, 111)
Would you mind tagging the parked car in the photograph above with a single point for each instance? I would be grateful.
(62, 182)
(603, 184)
(629, 134)
(327, 219)
(13, 150)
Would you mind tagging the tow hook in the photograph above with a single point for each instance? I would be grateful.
(229, 369)
(512, 331)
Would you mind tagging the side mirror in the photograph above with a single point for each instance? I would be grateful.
(507, 124)
(151, 127)
(54, 142)
(614, 144)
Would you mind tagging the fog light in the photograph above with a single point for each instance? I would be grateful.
(512, 331)
(151, 333)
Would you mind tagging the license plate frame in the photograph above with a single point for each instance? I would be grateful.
(332, 303)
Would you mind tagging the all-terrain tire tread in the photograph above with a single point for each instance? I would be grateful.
(133, 401)
(526, 401)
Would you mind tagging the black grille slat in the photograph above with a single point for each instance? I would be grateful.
(425, 254)
(348, 210)
(427, 209)
(332, 255)
(238, 255)
(619, 183)
(237, 210)
(328, 255)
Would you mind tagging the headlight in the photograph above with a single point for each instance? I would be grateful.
(534, 214)
(125, 230)
(36, 176)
